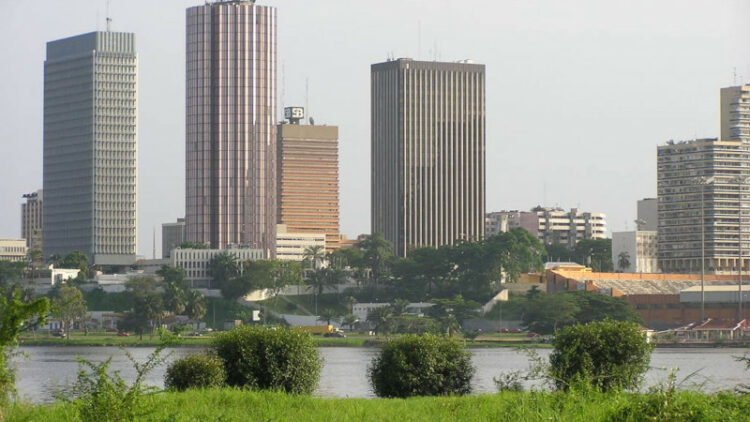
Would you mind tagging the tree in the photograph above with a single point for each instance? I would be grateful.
(343, 258)
(11, 272)
(350, 321)
(15, 317)
(69, 306)
(548, 312)
(148, 307)
(381, 318)
(223, 268)
(377, 254)
(322, 278)
(623, 260)
(175, 297)
(596, 253)
(598, 307)
(170, 274)
(453, 312)
(558, 253)
(195, 307)
(313, 256)
(328, 315)
(193, 245)
(399, 306)
(607, 355)
(79, 260)
(36, 258)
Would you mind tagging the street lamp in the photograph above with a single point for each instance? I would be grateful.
(703, 181)
(740, 180)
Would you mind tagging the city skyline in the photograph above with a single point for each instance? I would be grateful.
(640, 64)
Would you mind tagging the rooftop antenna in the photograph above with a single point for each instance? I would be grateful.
(307, 96)
(153, 246)
(109, 20)
(283, 84)
(419, 40)
(734, 72)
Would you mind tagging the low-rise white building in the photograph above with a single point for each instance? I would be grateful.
(292, 246)
(13, 250)
(638, 249)
(195, 262)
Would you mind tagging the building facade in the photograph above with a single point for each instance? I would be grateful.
(308, 180)
(13, 250)
(31, 220)
(195, 262)
(428, 152)
(637, 249)
(701, 177)
(735, 113)
(503, 221)
(231, 125)
(648, 214)
(291, 246)
(90, 147)
(560, 227)
(172, 236)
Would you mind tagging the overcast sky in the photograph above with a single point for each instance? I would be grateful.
(579, 93)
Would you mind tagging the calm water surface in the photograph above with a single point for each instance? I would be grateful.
(46, 370)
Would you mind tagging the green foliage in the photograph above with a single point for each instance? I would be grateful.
(381, 319)
(15, 317)
(101, 396)
(377, 254)
(76, 259)
(327, 315)
(596, 253)
(193, 245)
(148, 306)
(198, 370)
(68, 305)
(278, 359)
(558, 253)
(11, 272)
(346, 258)
(421, 366)
(607, 355)
(99, 300)
(170, 274)
(545, 313)
(195, 306)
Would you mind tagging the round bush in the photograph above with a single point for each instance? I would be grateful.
(421, 366)
(275, 359)
(606, 355)
(200, 370)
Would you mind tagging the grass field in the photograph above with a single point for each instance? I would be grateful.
(237, 405)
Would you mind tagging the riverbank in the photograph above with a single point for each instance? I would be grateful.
(237, 405)
(109, 340)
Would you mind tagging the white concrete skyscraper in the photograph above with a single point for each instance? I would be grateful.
(428, 152)
(231, 125)
(90, 147)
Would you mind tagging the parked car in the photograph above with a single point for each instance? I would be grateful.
(123, 334)
(531, 335)
(111, 330)
(334, 334)
(58, 333)
(503, 330)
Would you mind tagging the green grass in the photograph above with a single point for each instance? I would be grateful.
(237, 405)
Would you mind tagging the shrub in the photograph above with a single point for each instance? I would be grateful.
(278, 359)
(421, 366)
(606, 355)
(199, 370)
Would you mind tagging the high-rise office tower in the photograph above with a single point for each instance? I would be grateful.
(735, 113)
(308, 178)
(172, 236)
(428, 152)
(31, 220)
(90, 147)
(231, 125)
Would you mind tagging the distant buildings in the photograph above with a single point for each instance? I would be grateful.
(291, 246)
(648, 214)
(231, 125)
(172, 236)
(13, 250)
(735, 113)
(90, 147)
(307, 189)
(503, 221)
(195, 262)
(428, 152)
(700, 177)
(638, 249)
(31, 220)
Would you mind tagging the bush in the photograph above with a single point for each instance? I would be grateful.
(200, 370)
(278, 359)
(421, 366)
(606, 355)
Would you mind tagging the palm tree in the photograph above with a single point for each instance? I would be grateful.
(195, 305)
(327, 315)
(314, 256)
(175, 299)
(381, 317)
(223, 267)
(377, 255)
(350, 321)
(623, 260)
(399, 306)
(321, 278)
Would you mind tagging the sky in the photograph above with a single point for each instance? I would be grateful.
(579, 93)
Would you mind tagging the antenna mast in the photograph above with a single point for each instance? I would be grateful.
(109, 20)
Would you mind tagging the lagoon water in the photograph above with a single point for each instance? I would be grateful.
(45, 370)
